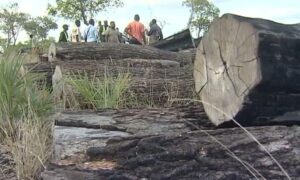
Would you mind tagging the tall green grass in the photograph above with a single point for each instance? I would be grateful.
(18, 90)
(105, 92)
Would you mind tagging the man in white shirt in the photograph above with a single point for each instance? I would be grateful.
(91, 33)
(76, 34)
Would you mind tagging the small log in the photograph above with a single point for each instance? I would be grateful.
(247, 69)
(94, 51)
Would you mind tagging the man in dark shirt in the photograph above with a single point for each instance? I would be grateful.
(101, 31)
(63, 37)
(155, 33)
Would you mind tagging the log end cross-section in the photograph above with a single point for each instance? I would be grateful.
(231, 63)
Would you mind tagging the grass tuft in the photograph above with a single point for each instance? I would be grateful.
(106, 92)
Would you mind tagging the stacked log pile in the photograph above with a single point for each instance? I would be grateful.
(248, 69)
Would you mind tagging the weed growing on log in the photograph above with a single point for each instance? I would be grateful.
(249, 167)
(24, 129)
(107, 92)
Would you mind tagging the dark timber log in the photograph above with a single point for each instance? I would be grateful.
(249, 69)
(152, 80)
(176, 42)
(190, 156)
(94, 51)
(137, 68)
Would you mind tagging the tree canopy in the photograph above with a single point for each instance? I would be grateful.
(202, 14)
(40, 27)
(81, 9)
(12, 22)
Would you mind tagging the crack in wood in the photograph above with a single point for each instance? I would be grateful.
(226, 70)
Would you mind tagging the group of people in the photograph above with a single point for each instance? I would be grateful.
(135, 31)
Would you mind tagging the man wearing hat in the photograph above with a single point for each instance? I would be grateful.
(63, 37)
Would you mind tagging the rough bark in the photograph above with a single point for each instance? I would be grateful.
(137, 68)
(152, 80)
(77, 131)
(94, 51)
(191, 156)
(248, 69)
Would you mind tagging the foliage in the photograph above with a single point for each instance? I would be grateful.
(18, 90)
(11, 22)
(39, 27)
(107, 92)
(202, 14)
(81, 9)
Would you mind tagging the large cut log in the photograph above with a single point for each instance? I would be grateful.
(137, 68)
(191, 155)
(153, 82)
(94, 51)
(248, 69)
(76, 131)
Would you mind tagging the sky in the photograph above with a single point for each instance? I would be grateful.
(171, 12)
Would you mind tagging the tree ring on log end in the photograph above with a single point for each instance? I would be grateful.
(226, 67)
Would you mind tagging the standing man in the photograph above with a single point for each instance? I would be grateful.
(105, 28)
(136, 31)
(76, 34)
(101, 30)
(112, 35)
(90, 33)
(63, 37)
(155, 33)
(105, 25)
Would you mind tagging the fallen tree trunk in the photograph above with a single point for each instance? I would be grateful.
(153, 82)
(77, 131)
(94, 51)
(136, 68)
(248, 69)
(192, 156)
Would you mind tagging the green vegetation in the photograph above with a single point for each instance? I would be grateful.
(203, 12)
(107, 92)
(12, 22)
(25, 108)
(81, 9)
(39, 27)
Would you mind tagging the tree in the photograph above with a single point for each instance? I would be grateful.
(81, 9)
(203, 12)
(11, 22)
(39, 27)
